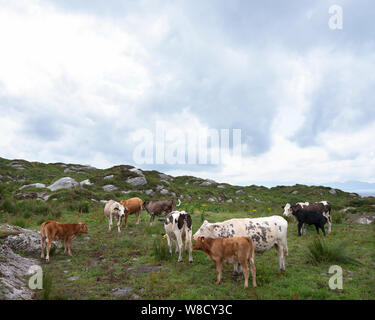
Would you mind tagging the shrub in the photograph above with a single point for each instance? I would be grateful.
(47, 285)
(320, 251)
(160, 250)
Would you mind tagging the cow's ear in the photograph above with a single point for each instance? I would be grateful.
(205, 222)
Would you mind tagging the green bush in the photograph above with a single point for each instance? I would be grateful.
(322, 252)
(160, 250)
(47, 285)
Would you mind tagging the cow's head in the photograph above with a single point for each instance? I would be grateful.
(198, 244)
(205, 230)
(145, 204)
(122, 210)
(83, 228)
(287, 210)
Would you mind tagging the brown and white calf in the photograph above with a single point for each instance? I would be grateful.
(114, 210)
(132, 205)
(322, 207)
(178, 227)
(236, 249)
(52, 230)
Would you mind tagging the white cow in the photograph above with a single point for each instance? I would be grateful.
(265, 232)
(114, 210)
(322, 207)
(178, 227)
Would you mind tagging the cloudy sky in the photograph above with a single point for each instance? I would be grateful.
(82, 81)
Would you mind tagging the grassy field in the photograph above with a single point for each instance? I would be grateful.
(106, 261)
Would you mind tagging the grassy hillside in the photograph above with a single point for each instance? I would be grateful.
(135, 260)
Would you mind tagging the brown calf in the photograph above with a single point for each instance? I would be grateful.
(132, 205)
(60, 231)
(236, 249)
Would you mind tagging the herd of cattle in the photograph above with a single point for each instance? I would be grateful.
(234, 240)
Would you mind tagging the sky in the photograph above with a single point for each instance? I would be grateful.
(89, 82)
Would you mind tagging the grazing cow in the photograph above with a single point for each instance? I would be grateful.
(159, 208)
(60, 231)
(265, 232)
(178, 227)
(132, 205)
(322, 207)
(115, 210)
(310, 217)
(238, 249)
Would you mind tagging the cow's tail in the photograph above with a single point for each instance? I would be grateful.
(43, 231)
(179, 203)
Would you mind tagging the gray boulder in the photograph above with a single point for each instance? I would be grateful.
(149, 192)
(332, 191)
(164, 191)
(108, 177)
(86, 183)
(63, 183)
(137, 181)
(165, 177)
(109, 188)
(240, 192)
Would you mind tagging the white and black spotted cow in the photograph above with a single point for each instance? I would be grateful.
(322, 207)
(178, 227)
(265, 232)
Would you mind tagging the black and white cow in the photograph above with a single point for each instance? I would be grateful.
(178, 227)
(266, 233)
(322, 207)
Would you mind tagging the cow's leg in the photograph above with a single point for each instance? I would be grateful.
(69, 246)
(218, 270)
(48, 248)
(110, 222)
(138, 214)
(118, 224)
(169, 244)
(329, 222)
(180, 245)
(43, 245)
(322, 227)
(304, 228)
(65, 246)
(189, 245)
(253, 270)
(126, 220)
(280, 255)
(245, 269)
(317, 228)
(152, 217)
(299, 228)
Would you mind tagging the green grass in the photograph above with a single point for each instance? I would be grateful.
(105, 261)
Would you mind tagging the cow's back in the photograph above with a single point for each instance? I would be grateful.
(107, 207)
(132, 204)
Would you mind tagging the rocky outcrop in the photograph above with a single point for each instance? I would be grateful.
(35, 185)
(14, 267)
(332, 191)
(63, 183)
(108, 177)
(13, 271)
(137, 181)
(32, 195)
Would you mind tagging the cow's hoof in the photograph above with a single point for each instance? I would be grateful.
(190, 261)
(235, 273)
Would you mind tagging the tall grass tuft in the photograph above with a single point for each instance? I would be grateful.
(322, 252)
(160, 250)
(47, 286)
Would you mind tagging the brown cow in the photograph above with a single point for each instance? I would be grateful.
(132, 205)
(159, 208)
(53, 230)
(236, 249)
